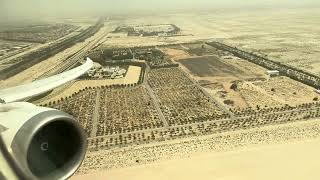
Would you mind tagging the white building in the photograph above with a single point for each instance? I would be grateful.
(273, 73)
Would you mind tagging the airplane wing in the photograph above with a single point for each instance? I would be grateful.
(38, 87)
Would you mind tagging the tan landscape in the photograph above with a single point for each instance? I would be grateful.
(289, 36)
(261, 153)
(252, 154)
(199, 95)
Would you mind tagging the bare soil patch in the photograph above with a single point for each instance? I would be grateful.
(211, 66)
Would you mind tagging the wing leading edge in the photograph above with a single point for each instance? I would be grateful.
(38, 87)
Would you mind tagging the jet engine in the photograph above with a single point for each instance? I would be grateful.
(42, 143)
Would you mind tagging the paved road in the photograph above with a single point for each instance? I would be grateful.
(79, 55)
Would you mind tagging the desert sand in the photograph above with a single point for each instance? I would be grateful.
(290, 158)
(287, 162)
(289, 36)
(286, 151)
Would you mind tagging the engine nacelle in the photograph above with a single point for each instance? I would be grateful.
(44, 143)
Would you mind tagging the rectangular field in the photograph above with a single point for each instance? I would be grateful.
(126, 110)
(181, 101)
(211, 66)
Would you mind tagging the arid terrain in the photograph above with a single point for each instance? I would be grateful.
(285, 152)
(289, 36)
(227, 95)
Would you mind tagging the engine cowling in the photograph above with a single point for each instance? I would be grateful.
(44, 143)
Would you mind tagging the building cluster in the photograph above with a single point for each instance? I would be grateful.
(153, 56)
(108, 72)
(149, 30)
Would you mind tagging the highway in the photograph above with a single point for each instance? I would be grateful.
(79, 55)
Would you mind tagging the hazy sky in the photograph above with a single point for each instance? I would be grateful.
(38, 8)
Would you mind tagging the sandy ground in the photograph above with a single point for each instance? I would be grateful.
(277, 91)
(256, 87)
(287, 90)
(176, 54)
(131, 77)
(144, 41)
(221, 83)
(293, 161)
(223, 92)
(256, 96)
(291, 156)
(290, 36)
